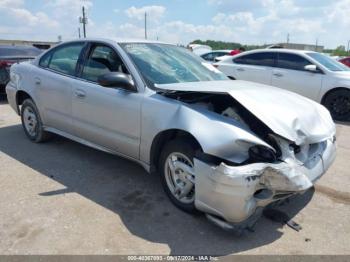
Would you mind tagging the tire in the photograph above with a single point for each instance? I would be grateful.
(185, 150)
(338, 104)
(32, 123)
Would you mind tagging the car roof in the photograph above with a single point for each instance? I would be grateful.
(277, 50)
(215, 51)
(116, 40)
(222, 50)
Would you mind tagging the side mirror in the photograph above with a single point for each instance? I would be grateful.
(116, 80)
(311, 68)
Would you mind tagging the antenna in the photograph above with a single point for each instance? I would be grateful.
(145, 25)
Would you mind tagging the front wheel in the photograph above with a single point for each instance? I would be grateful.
(176, 169)
(338, 104)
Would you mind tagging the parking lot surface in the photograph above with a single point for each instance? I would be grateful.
(61, 197)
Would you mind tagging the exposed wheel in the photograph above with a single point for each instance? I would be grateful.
(338, 104)
(177, 174)
(31, 122)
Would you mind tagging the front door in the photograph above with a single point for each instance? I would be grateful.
(108, 117)
(291, 75)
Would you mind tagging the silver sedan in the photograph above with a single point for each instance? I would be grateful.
(225, 148)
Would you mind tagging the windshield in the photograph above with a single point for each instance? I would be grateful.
(166, 64)
(329, 63)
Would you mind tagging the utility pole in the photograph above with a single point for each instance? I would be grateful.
(83, 20)
(288, 38)
(79, 32)
(316, 44)
(348, 46)
(145, 25)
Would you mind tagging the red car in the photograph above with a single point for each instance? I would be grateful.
(345, 61)
(10, 55)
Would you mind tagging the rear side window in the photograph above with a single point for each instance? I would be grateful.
(63, 59)
(292, 61)
(260, 59)
(209, 57)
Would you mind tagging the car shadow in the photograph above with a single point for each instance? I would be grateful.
(137, 197)
(344, 123)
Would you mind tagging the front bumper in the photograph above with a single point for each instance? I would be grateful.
(237, 194)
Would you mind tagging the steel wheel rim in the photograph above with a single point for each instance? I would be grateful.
(179, 176)
(30, 121)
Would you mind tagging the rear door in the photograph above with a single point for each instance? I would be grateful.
(256, 67)
(290, 74)
(107, 117)
(53, 85)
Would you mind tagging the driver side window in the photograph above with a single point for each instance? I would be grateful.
(102, 60)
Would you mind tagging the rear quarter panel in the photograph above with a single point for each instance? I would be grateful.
(21, 80)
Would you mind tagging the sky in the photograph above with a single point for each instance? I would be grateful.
(182, 21)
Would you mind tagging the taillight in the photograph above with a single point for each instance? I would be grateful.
(6, 63)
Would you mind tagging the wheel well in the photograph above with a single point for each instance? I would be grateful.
(331, 91)
(162, 138)
(21, 96)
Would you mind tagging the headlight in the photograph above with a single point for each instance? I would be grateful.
(260, 153)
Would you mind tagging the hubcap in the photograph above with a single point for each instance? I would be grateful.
(30, 121)
(180, 178)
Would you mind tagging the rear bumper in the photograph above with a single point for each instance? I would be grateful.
(11, 96)
(237, 194)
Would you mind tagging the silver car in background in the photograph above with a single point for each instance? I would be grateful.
(226, 148)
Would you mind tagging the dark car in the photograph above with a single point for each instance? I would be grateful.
(10, 55)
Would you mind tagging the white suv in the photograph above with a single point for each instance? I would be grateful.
(308, 73)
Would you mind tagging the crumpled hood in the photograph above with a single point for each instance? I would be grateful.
(287, 114)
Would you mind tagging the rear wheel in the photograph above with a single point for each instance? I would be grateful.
(338, 104)
(32, 123)
(176, 169)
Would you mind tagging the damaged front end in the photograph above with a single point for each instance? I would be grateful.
(281, 144)
(234, 196)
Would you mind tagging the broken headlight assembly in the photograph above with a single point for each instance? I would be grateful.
(261, 153)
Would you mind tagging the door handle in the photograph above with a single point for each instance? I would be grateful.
(278, 74)
(240, 69)
(37, 81)
(80, 94)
